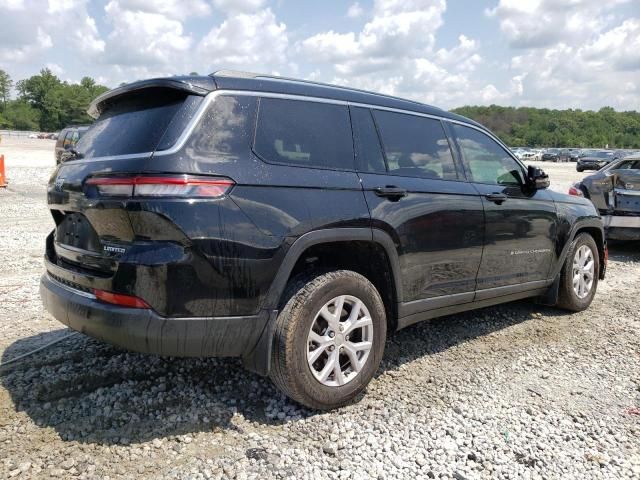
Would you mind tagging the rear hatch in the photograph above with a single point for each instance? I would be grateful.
(133, 123)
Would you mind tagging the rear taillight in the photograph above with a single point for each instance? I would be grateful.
(120, 299)
(161, 186)
(576, 191)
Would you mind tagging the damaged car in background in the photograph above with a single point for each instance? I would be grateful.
(615, 192)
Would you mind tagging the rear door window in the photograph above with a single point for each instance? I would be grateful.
(134, 124)
(304, 133)
(415, 146)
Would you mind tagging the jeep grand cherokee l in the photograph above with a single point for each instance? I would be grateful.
(296, 225)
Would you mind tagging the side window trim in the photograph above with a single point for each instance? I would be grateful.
(380, 141)
(358, 160)
(463, 176)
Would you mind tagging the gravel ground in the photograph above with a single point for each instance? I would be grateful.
(515, 391)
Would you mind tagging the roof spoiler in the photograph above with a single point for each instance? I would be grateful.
(192, 85)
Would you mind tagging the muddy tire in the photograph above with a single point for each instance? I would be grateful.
(329, 338)
(579, 275)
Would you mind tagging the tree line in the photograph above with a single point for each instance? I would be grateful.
(542, 127)
(45, 103)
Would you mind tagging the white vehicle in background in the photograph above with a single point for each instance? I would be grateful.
(524, 153)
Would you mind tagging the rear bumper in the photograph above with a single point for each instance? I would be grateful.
(589, 166)
(622, 227)
(625, 221)
(143, 330)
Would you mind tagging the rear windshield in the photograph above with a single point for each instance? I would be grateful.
(138, 123)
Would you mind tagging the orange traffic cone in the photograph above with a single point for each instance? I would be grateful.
(3, 177)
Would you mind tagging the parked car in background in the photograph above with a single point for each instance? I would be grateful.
(615, 192)
(574, 154)
(555, 155)
(595, 160)
(67, 140)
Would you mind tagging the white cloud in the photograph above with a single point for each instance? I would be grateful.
(395, 53)
(174, 9)
(583, 64)
(255, 42)
(355, 10)
(30, 28)
(542, 23)
(143, 38)
(618, 47)
(239, 6)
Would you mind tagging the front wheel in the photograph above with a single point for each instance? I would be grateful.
(579, 275)
(329, 339)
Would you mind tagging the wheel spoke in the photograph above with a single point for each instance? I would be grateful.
(361, 323)
(329, 367)
(315, 354)
(353, 356)
(338, 374)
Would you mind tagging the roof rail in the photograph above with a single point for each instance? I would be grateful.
(276, 78)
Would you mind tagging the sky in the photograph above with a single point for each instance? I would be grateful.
(542, 53)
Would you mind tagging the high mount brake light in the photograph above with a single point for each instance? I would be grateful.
(162, 186)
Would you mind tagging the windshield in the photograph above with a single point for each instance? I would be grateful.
(136, 124)
(601, 154)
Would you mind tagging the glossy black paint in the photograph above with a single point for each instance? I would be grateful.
(448, 244)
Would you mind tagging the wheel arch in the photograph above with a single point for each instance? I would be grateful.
(594, 227)
(259, 359)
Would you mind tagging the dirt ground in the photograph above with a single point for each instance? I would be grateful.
(514, 391)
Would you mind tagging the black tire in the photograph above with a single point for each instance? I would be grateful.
(567, 296)
(579, 170)
(305, 297)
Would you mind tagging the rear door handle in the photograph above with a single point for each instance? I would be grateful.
(391, 192)
(496, 197)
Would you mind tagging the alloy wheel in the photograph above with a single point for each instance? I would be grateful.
(339, 341)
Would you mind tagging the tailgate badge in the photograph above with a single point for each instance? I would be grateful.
(112, 249)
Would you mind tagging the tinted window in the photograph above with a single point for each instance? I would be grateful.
(628, 165)
(368, 151)
(486, 160)
(415, 146)
(304, 133)
(132, 124)
(226, 129)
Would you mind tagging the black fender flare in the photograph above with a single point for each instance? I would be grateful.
(259, 359)
(588, 222)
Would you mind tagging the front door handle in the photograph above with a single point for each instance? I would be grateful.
(496, 197)
(391, 192)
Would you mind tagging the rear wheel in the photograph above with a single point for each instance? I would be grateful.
(579, 276)
(329, 339)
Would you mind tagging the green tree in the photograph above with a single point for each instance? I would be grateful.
(5, 88)
(58, 103)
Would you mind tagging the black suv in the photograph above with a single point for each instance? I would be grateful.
(595, 160)
(296, 225)
(67, 140)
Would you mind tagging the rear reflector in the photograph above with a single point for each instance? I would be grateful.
(120, 299)
(162, 186)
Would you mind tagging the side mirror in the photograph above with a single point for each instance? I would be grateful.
(537, 179)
